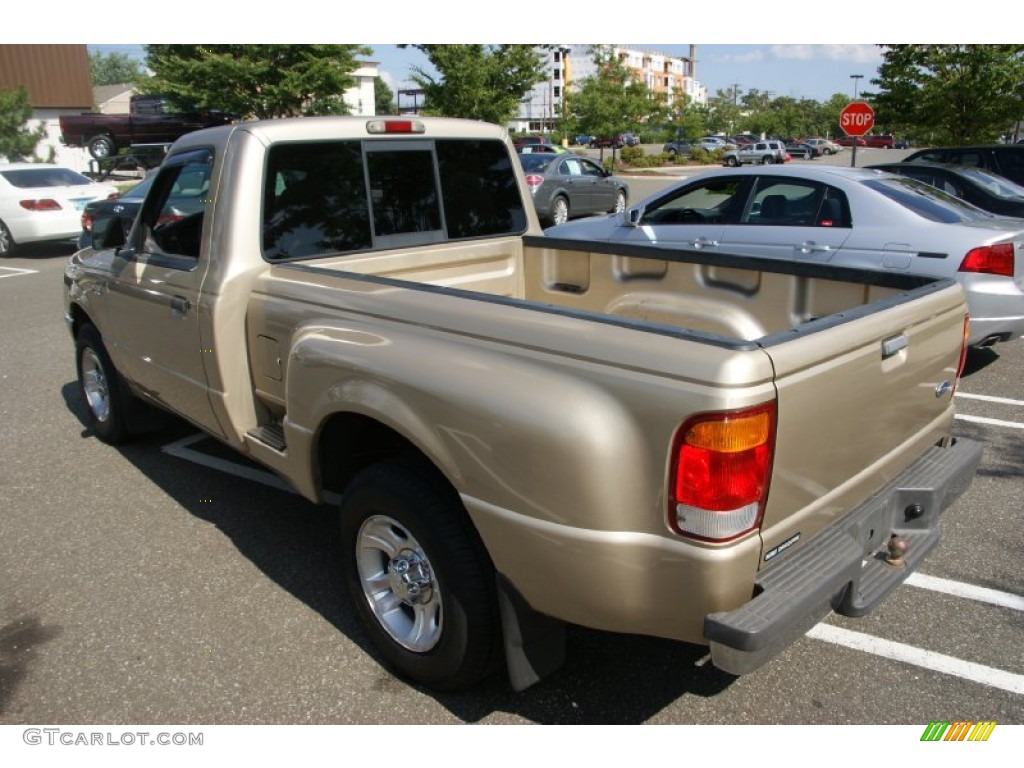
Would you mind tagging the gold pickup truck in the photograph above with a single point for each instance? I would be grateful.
(526, 432)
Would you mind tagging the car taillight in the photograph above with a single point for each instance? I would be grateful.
(40, 205)
(721, 466)
(990, 259)
(533, 181)
(168, 218)
(87, 222)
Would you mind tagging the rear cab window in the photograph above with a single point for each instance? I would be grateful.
(334, 197)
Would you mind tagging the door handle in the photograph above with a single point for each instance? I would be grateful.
(810, 247)
(180, 306)
(703, 242)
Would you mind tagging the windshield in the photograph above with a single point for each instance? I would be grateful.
(45, 176)
(139, 190)
(996, 185)
(927, 201)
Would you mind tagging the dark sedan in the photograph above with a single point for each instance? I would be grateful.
(566, 186)
(989, 191)
(187, 197)
(800, 149)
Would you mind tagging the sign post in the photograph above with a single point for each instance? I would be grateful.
(856, 119)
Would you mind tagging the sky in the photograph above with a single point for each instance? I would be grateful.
(812, 57)
(809, 71)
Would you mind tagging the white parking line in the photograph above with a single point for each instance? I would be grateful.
(918, 657)
(180, 449)
(16, 271)
(968, 591)
(990, 422)
(990, 399)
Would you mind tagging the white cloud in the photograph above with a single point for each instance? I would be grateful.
(858, 54)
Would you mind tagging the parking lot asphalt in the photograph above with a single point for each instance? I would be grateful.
(158, 583)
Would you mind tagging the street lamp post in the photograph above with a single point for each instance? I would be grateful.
(853, 155)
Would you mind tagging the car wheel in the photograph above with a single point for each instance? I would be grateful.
(6, 240)
(767, 160)
(419, 575)
(732, 162)
(102, 146)
(101, 387)
(559, 210)
(620, 202)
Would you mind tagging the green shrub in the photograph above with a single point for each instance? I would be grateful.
(632, 155)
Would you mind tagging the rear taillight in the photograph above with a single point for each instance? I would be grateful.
(87, 222)
(40, 205)
(990, 259)
(167, 218)
(721, 466)
(533, 181)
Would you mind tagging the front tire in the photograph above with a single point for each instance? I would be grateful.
(620, 202)
(102, 388)
(419, 575)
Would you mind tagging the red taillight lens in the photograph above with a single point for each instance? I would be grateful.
(168, 218)
(40, 205)
(87, 222)
(990, 259)
(721, 468)
(533, 181)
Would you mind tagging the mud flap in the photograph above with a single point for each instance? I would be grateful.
(534, 643)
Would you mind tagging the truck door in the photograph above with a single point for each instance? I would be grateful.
(160, 308)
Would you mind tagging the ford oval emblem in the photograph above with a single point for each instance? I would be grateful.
(943, 388)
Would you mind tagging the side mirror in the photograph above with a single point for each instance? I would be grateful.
(108, 231)
(634, 216)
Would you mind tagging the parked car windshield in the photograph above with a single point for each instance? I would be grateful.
(535, 162)
(927, 201)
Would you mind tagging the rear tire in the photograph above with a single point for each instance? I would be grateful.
(6, 240)
(620, 202)
(559, 210)
(102, 146)
(419, 575)
(732, 162)
(767, 160)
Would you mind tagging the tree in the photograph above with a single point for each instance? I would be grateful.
(383, 98)
(949, 94)
(259, 81)
(17, 141)
(479, 82)
(113, 68)
(611, 101)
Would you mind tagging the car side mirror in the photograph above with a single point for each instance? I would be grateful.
(634, 216)
(108, 231)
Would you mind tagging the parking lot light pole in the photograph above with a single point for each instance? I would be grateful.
(853, 155)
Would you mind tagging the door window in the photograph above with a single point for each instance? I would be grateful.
(173, 214)
(715, 201)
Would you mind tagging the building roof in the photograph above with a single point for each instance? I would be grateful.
(54, 75)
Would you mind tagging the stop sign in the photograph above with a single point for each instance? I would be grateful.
(857, 118)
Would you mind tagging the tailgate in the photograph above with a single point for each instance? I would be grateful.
(858, 402)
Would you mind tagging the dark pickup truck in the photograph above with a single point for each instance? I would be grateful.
(150, 120)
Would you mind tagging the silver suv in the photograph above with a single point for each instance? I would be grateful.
(764, 152)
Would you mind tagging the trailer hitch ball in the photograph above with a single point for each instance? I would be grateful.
(913, 511)
(897, 548)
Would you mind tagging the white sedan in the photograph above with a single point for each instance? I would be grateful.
(843, 216)
(39, 201)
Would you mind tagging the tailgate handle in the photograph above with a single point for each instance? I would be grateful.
(894, 345)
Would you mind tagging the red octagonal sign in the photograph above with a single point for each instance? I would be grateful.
(857, 118)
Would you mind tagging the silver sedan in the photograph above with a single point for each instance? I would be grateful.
(843, 216)
(564, 186)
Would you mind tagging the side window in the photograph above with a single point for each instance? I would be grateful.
(591, 169)
(794, 203)
(172, 216)
(967, 158)
(716, 201)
